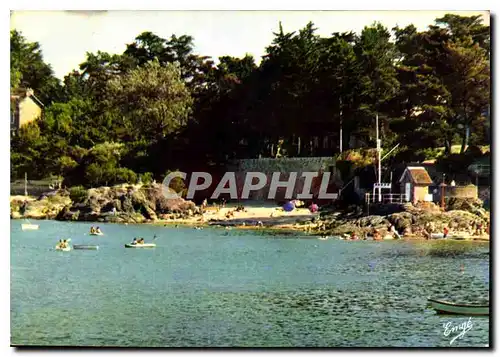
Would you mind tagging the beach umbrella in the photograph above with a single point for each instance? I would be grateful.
(288, 207)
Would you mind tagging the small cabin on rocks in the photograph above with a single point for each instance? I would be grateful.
(415, 182)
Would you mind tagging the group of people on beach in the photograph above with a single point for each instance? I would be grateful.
(476, 229)
(376, 234)
(217, 206)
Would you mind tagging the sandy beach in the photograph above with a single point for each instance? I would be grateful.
(269, 214)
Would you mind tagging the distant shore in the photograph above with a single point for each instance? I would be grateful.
(135, 204)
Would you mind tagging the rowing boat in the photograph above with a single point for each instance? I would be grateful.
(86, 247)
(446, 307)
(136, 245)
(96, 234)
(65, 249)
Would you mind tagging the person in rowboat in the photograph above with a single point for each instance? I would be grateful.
(134, 242)
(92, 230)
(98, 230)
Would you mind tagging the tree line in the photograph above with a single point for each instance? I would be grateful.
(160, 106)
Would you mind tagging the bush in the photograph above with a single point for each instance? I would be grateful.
(77, 194)
(408, 155)
(345, 169)
(146, 178)
(455, 163)
(124, 175)
(474, 151)
(177, 184)
(429, 153)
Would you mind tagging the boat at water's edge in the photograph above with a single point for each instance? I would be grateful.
(446, 307)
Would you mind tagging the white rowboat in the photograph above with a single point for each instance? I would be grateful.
(29, 227)
(66, 249)
(96, 234)
(445, 307)
(144, 245)
(437, 235)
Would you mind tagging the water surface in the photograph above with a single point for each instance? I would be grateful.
(216, 287)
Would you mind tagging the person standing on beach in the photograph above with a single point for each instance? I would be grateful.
(204, 205)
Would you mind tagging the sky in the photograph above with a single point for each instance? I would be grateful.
(66, 36)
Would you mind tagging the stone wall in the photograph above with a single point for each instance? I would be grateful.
(286, 165)
(469, 191)
(484, 193)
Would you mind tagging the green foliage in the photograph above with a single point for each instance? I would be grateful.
(124, 175)
(77, 194)
(345, 168)
(160, 105)
(28, 70)
(146, 178)
(177, 184)
(429, 153)
(455, 164)
(94, 175)
(154, 101)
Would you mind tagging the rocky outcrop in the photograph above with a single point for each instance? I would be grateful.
(412, 220)
(44, 207)
(124, 203)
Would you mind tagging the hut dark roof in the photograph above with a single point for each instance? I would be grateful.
(418, 175)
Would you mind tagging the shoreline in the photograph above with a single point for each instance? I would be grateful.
(281, 230)
(147, 205)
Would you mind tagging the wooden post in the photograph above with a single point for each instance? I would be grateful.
(340, 106)
(379, 148)
(443, 193)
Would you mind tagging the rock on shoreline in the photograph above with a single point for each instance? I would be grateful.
(410, 220)
(146, 203)
(118, 204)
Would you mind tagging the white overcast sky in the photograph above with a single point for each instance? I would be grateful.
(65, 36)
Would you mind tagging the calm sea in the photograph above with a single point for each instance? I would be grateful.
(216, 287)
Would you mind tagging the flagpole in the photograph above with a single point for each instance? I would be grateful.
(379, 179)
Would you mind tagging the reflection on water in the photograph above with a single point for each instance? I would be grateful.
(216, 287)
